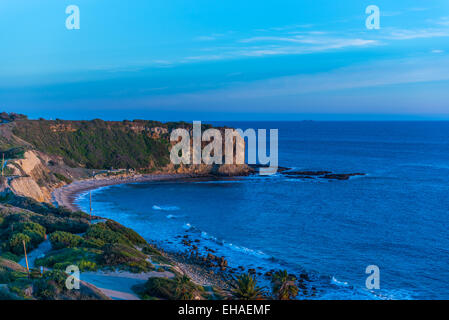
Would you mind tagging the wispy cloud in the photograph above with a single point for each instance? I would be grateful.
(205, 38)
(402, 34)
(418, 9)
(377, 74)
(280, 43)
(303, 39)
(314, 47)
(444, 21)
(312, 87)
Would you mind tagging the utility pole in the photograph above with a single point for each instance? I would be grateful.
(3, 162)
(90, 205)
(26, 257)
(90, 200)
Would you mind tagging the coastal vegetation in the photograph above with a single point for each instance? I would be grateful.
(48, 286)
(245, 288)
(74, 241)
(44, 155)
(179, 288)
(97, 144)
(103, 245)
(284, 286)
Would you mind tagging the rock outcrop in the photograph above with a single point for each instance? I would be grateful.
(51, 154)
(27, 187)
(31, 177)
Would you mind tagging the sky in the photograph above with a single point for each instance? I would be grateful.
(225, 60)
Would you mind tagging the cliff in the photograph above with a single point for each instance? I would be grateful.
(46, 154)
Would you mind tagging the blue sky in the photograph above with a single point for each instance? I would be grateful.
(225, 60)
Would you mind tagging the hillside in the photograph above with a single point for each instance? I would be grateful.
(42, 155)
(99, 144)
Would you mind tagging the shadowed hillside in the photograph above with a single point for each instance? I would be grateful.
(99, 144)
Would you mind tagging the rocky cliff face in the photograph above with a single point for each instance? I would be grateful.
(30, 177)
(51, 147)
(27, 187)
(36, 175)
(33, 177)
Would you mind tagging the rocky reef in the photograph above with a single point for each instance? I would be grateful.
(308, 174)
(320, 174)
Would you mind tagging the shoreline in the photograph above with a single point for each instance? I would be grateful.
(65, 196)
(200, 274)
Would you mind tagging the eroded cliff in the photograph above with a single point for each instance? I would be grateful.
(58, 152)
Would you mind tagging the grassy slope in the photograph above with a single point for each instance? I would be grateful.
(106, 246)
(97, 144)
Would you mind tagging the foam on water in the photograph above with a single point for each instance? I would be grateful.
(339, 283)
(393, 218)
(256, 253)
(165, 208)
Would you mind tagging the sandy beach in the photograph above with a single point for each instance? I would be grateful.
(66, 195)
(108, 283)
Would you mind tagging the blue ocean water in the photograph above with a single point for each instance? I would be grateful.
(395, 217)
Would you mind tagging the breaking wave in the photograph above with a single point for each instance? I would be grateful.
(165, 208)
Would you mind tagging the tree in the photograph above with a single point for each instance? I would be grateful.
(184, 288)
(284, 286)
(245, 288)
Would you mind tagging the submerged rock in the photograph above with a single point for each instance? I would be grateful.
(307, 173)
(342, 176)
(320, 174)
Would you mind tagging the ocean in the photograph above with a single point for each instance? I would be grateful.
(395, 217)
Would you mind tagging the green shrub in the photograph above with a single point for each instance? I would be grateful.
(30, 232)
(179, 288)
(93, 243)
(101, 233)
(14, 220)
(85, 265)
(51, 286)
(10, 256)
(60, 223)
(8, 275)
(62, 178)
(61, 259)
(45, 290)
(161, 288)
(61, 239)
(19, 286)
(35, 231)
(130, 234)
(120, 255)
(6, 295)
(155, 255)
(15, 243)
(111, 232)
(51, 218)
(97, 144)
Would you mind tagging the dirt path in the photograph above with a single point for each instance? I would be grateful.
(39, 252)
(118, 285)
